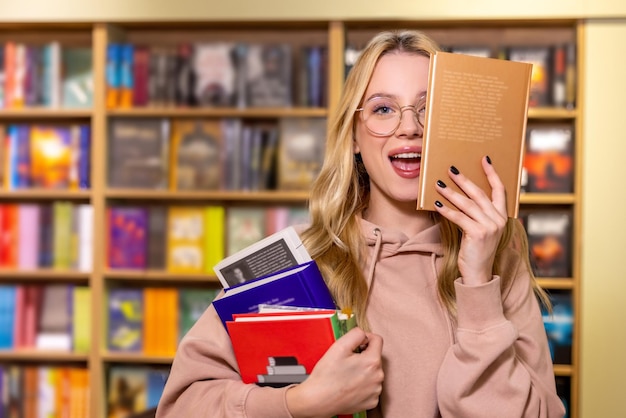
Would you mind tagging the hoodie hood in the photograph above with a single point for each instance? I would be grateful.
(393, 241)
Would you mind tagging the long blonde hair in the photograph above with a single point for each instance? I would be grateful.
(341, 192)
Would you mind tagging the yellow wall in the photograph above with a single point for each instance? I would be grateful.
(603, 344)
(604, 201)
(47, 10)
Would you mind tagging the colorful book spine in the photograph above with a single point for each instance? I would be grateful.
(126, 76)
(81, 319)
(84, 157)
(214, 237)
(62, 235)
(113, 76)
(28, 236)
(7, 316)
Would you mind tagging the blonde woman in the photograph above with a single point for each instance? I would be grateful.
(446, 301)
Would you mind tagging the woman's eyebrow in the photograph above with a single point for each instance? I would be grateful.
(383, 95)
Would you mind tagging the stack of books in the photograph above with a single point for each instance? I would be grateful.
(278, 311)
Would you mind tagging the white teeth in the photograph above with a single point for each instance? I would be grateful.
(407, 155)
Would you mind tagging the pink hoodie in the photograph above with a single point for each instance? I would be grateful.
(494, 363)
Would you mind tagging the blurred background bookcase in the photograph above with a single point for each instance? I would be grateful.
(339, 39)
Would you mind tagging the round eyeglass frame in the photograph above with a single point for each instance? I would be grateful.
(419, 106)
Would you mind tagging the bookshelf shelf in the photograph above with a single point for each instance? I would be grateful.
(45, 113)
(33, 355)
(44, 194)
(556, 283)
(135, 358)
(547, 198)
(173, 112)
(563, 370)
(539, 113)
(207, 196)
(158, 276)
(50, 275)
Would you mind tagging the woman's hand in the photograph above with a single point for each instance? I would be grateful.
(343, 381)
(481, 218)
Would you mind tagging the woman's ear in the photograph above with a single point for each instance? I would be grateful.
(355, 147)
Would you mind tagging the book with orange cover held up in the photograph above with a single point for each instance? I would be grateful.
(281, 348)
(476, 106)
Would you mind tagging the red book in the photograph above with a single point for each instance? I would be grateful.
(8, 235)
(141, 72)
(278, 349)
(264, 340)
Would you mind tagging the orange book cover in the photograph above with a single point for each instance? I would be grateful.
(476, 106)
(79, 388)
(51, 156)
(150, 320)
(164, 322)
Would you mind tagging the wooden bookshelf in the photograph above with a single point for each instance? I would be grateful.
(335, 35)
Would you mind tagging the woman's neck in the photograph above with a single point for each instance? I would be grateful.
(398, 215)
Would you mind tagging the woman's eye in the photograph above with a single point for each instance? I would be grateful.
(383, 109)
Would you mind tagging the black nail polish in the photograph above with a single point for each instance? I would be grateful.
(438, 204)
(441, 184)
(488, 159)
(454, 169)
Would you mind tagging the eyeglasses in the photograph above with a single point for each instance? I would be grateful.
(382, 115)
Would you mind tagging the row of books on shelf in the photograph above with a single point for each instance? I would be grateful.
(227, 74)
(229, 154)
(44, 391)
(46, 235)
(189, 239)
(45, 75)
(215, 154)
(553, 78)
(45, 317)
(45, 156)
(193, 238)
(134, 391)
(153, 320)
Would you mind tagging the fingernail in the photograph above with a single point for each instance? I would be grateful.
(441, 184)
(454, 169)
(488, 159)
(438, 204)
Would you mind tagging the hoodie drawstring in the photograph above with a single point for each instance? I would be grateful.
(370, 274)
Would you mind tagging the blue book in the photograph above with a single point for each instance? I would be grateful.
(7, 316)
(301, 285)
(19, 156)
(125, 320)
(84, 158)
(155, 384)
